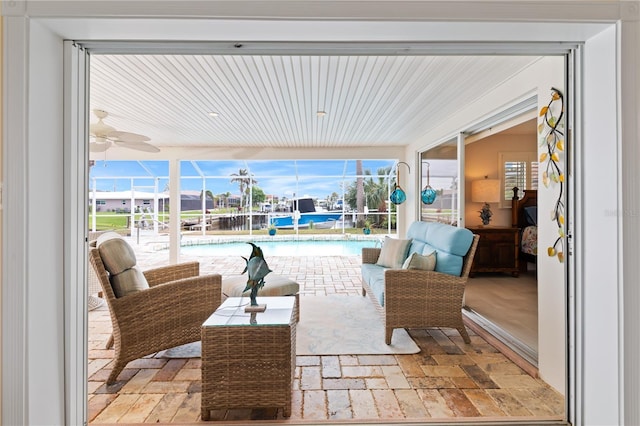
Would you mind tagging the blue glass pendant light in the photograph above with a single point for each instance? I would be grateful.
(428, 194)
(398, 196)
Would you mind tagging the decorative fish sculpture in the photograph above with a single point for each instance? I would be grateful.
(255, 252)
(256, 269)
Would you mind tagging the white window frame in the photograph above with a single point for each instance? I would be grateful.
(527, 157)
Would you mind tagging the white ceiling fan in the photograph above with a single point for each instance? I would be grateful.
(103, 136)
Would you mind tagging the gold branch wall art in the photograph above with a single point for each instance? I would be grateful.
(552, 140)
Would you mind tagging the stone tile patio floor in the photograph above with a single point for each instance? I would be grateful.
(447, 380)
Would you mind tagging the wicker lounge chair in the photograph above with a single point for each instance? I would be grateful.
(422, 299)
(169, 313)
(93, 283)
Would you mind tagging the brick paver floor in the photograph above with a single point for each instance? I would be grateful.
(447, 380)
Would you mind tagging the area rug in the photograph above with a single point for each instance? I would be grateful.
(346, 325)
(332, 325)
(190, 350)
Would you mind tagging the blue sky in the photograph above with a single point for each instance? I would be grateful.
(316, 178)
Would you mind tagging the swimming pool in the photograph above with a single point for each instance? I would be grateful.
(282, 248)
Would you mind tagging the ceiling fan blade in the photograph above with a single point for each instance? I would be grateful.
(119, 136)
(139, 146)
(99, 146)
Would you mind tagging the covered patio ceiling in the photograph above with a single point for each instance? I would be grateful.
(286, 102)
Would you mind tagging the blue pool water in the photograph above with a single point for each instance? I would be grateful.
(282, 248)
(327, 219)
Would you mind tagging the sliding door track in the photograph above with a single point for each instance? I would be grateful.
(521, 349)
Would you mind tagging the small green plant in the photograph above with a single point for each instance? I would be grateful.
(310, 224)
(271, 229)
(366, 228)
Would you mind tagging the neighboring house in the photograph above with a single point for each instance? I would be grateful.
(232, 201)
(190, 200)
(120, 201)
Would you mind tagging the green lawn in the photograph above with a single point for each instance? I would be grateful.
(118, 221)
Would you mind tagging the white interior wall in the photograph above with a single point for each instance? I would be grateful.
(629, 155)
(599, 283)
(1, 173)
(15, 46)
(21, 181)
(44, 216)
(552, 300)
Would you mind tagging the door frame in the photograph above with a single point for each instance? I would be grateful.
(597, 395)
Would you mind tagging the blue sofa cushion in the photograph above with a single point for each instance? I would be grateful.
(449, 242)
(373, 275)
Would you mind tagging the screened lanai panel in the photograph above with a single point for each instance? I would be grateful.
(281, 167)
(120, 175)
(278, 178)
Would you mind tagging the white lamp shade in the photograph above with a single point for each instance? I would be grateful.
(485, 191)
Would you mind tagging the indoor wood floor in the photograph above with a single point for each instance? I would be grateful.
(447, 381)
(510, 302)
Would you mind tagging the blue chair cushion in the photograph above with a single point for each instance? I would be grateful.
(373, 275)
(450, 243)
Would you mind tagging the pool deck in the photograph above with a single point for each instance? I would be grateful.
(343, 278)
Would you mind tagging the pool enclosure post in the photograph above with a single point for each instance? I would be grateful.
(155, 216)
(132, 209)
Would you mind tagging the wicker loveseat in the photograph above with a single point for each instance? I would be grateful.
(412, 296)
(153, 310)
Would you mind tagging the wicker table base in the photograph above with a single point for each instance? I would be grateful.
(248, 359)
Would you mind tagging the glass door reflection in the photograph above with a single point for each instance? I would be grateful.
(440, 167)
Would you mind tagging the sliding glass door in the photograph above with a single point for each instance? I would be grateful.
(440, 179)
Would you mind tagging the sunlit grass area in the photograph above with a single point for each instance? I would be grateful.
(121, 221)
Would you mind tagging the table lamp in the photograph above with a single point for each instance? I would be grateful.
(485, 191)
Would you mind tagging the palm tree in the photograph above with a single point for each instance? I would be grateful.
(244, 180)
(376, 191)
(380, 194)
(207, 194)
(333, 198)
(224, 199)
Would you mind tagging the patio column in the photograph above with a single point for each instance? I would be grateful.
(174, 211)
(460, 188)
(155, 217)
(132, 213)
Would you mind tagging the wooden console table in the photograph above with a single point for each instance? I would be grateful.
(248, 360)
(497, 250)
